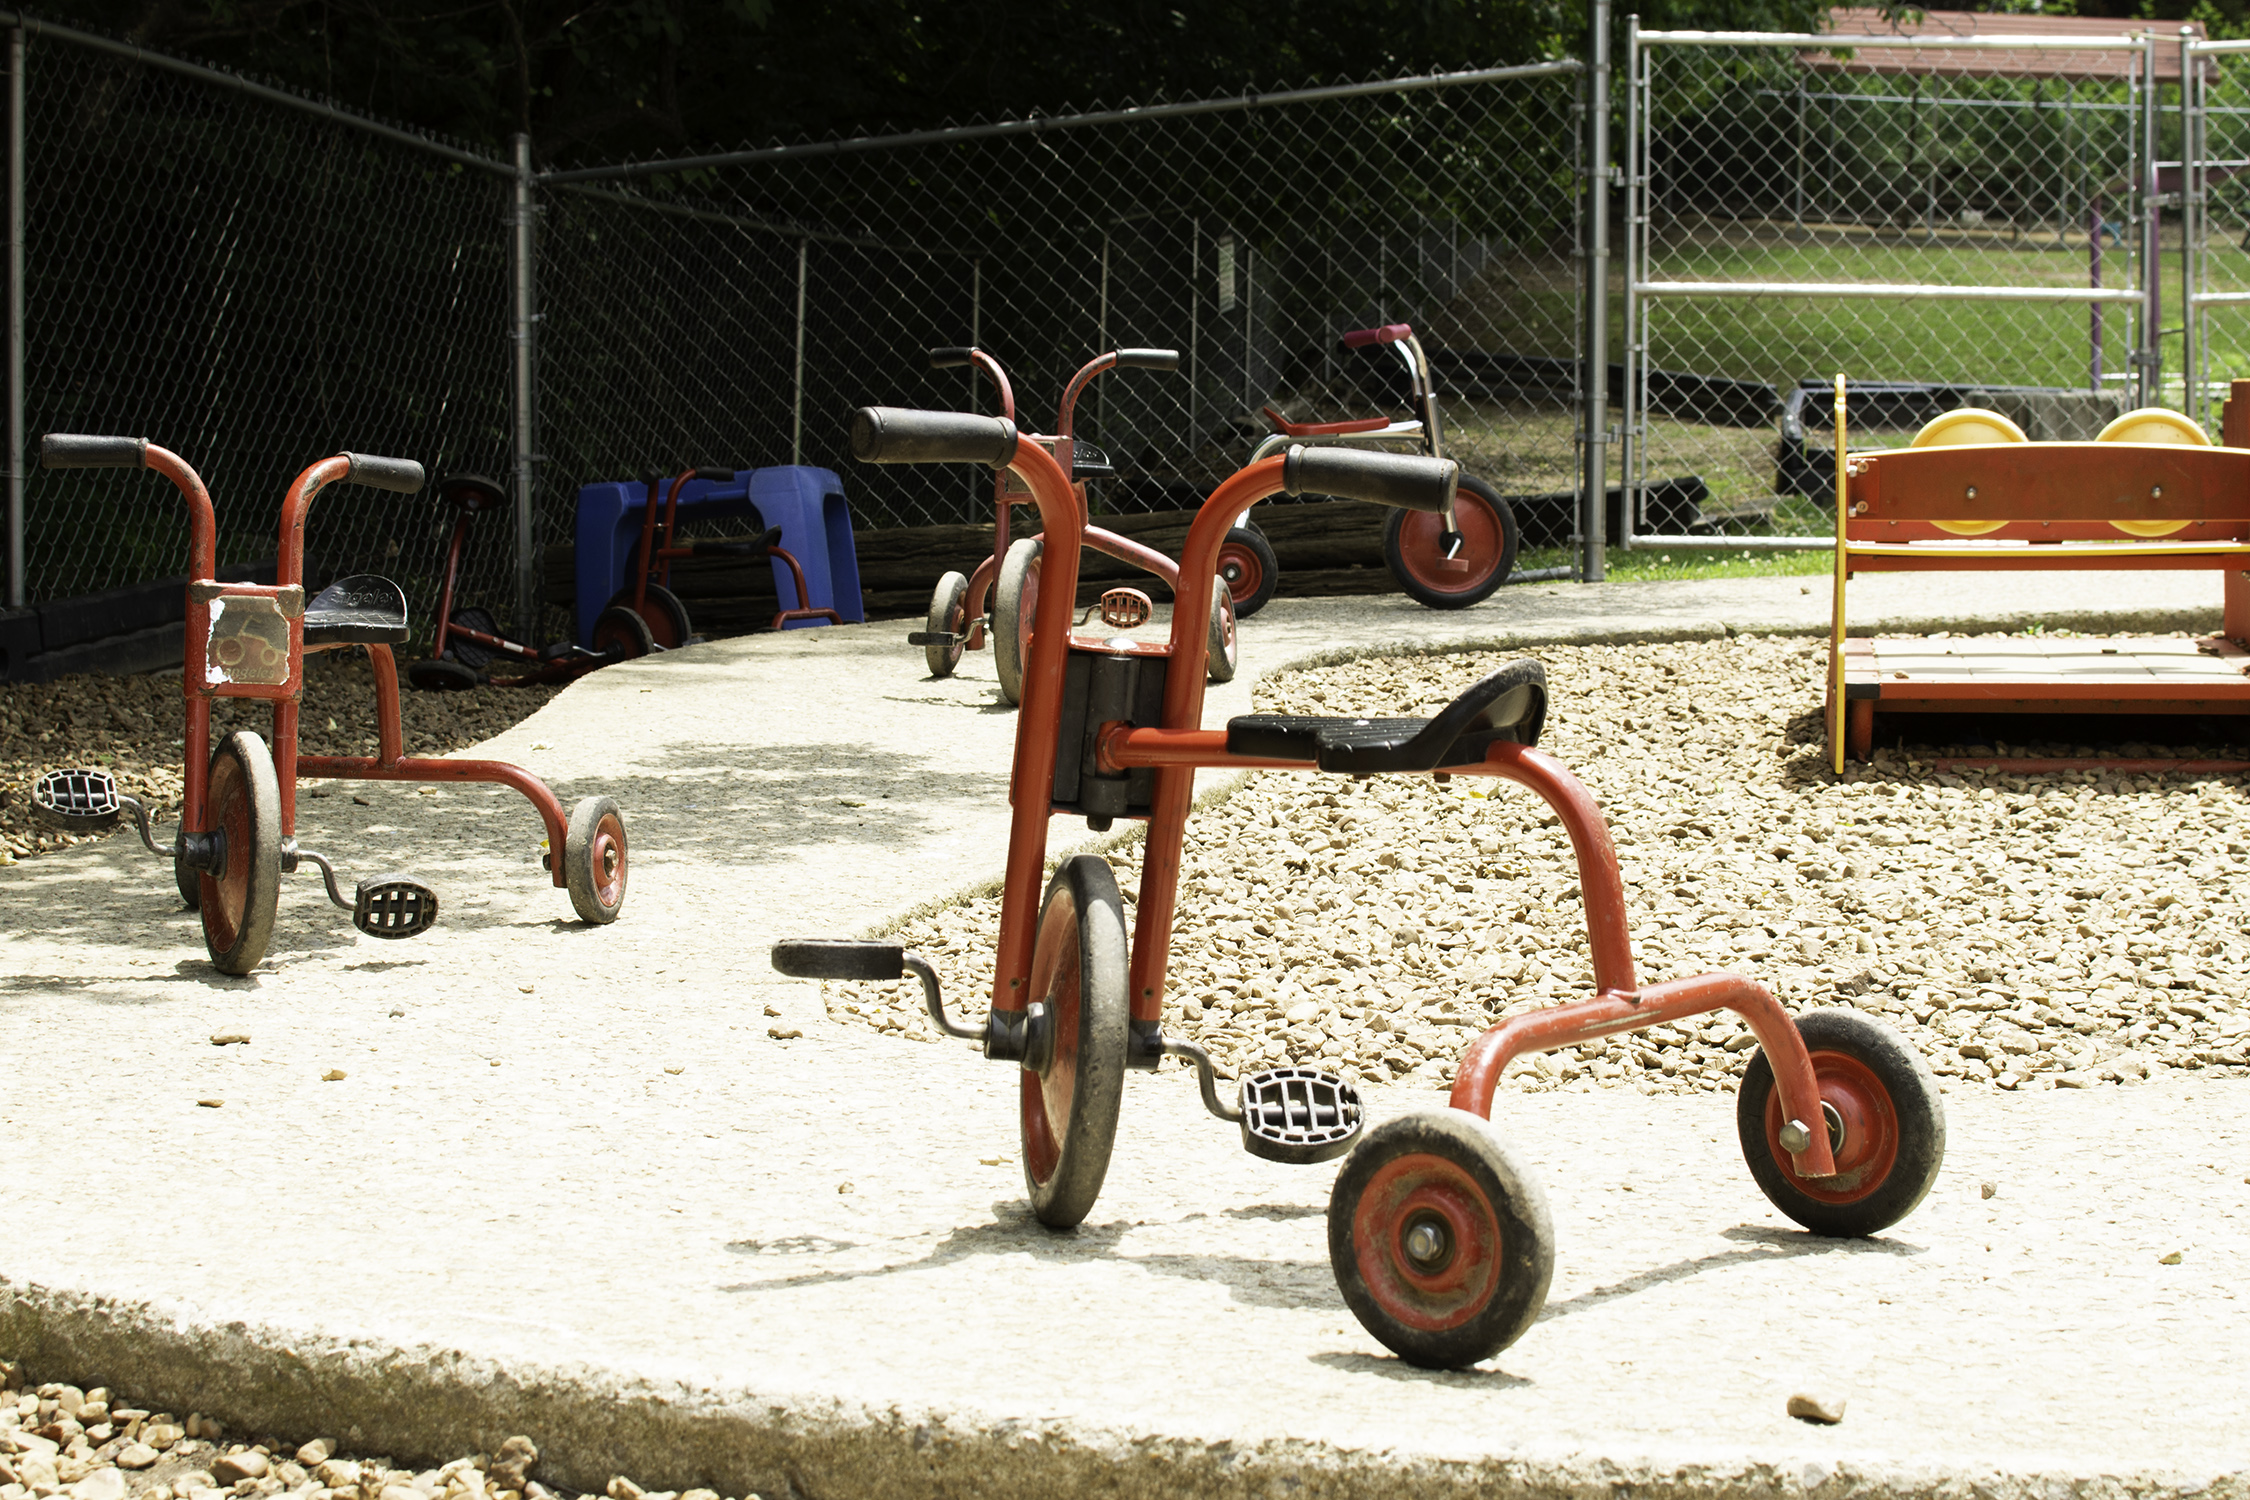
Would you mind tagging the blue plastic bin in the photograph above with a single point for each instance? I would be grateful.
(807, 504)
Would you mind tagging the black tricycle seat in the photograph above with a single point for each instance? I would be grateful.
(471, 493)
(1508, 706)
(362, 610)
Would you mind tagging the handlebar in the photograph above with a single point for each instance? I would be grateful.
(1389, 333)
(1404, 481)
(714, 473)
(76, 450)
(1148, 359)
(401, 474)
(950, 359)
(897, 435)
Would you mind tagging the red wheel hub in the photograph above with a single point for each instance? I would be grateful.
(1239, 566)
(1423, 553)
(608, 860)
(1863, 1130)
(1428, 1243)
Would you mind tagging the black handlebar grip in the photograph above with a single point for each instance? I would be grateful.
(897, 435)
(1148, 359)
(714, 473)
(947, 359)
(401, 474)
(78, 450)
(1405, 481)
(833, 958)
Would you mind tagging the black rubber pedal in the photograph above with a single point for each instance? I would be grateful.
(83, 800)
(838, 958)
(394, 907)
(1299, 1115)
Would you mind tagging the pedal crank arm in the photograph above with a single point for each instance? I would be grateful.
(833, 958)
(937, 638)
(291, 856)
(1206, 1077)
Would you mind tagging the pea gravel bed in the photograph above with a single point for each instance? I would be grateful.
(59, 1440)
(133, 726)
(2024, 931)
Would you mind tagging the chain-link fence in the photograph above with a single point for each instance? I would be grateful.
(734, 310)
(254, 282)
(1947, 221)
(256, 279)
(2214, 224)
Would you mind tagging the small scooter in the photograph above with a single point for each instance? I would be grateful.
(238, 817)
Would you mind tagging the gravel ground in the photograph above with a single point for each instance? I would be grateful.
(132, 725)
(58, 1440)
(2061, 930)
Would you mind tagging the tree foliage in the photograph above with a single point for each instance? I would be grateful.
(594, 80)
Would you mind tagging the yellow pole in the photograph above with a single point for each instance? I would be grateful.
(1836, 617)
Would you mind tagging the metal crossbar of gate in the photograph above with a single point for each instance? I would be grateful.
(1947, 221)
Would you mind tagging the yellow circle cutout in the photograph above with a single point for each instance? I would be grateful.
(2155, 424)
(1967, 426)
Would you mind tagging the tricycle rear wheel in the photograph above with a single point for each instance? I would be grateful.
(1440, 1239)
(1886, 1127)
(949, 615)
(595, 860)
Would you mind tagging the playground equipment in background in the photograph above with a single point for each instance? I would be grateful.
(651, 597)
(1445, 561)
(958, 621)
(238, 817)
(468, 640)
(1970, 495)
(621, 557)
(1438, 1235)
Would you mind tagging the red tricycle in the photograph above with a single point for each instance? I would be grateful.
(1438, 1235)
(644, 616)
(1444, 566)
(238, 814)
(958, 621)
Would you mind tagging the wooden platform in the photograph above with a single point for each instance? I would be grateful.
(2019, 674)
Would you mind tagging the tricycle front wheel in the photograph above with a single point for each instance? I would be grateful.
(1074, 1081)
(243, 807)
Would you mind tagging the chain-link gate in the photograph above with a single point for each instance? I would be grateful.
(2215, 224)
(1947, 221)
(254, 281)
(734, 309)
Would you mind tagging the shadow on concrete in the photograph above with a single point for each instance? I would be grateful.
(1255, 1281)
(1391, 1367)
(1760, 1244)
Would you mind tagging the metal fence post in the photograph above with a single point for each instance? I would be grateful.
(1594, 339)
(2150, 385)
(527, 375)
(15, 318)
(797, 388)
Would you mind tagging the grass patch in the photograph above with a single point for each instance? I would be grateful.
(1657, 565)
